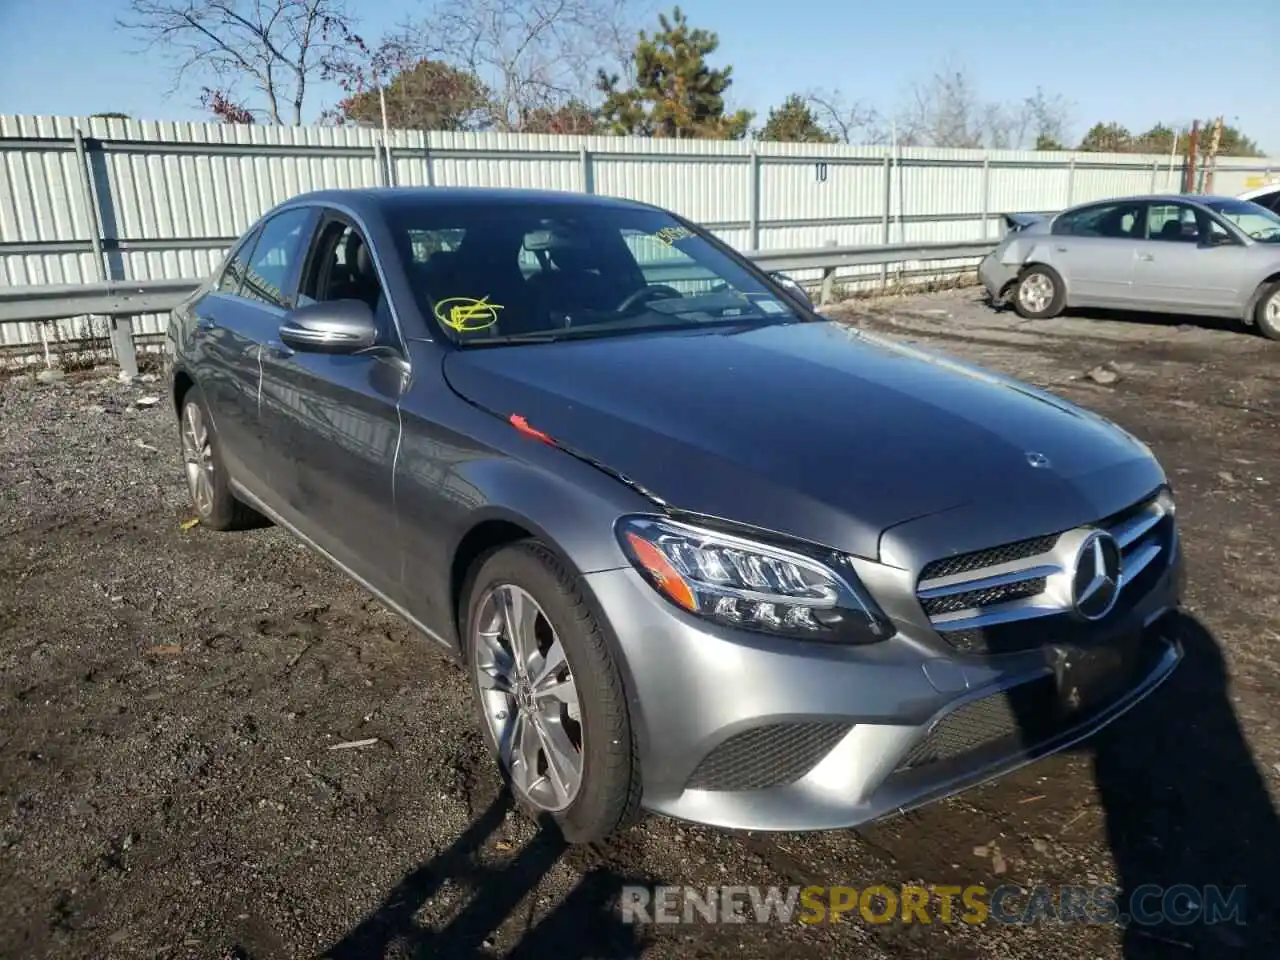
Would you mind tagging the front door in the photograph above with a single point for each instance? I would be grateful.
(1189, 263)
(333, 420)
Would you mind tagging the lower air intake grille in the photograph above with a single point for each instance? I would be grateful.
(769, 756)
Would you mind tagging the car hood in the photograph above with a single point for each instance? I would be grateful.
(814, 430)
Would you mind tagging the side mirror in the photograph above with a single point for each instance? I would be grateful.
(334, 326)
(792, 287)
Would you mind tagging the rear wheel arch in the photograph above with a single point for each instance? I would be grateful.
(182, 383)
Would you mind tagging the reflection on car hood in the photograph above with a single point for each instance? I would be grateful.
(810, 429)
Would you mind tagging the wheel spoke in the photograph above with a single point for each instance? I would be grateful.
(562, 758)
(494, 663)
(548, 666)
(519, 614)
(523, 762)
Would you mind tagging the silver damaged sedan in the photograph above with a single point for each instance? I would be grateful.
(1206, 256)
(702, 552)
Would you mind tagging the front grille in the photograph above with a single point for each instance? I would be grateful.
(990, 557)
(768, 756)
(1017, 596)
(983, 598)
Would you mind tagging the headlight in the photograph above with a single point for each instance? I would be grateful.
(745, 583)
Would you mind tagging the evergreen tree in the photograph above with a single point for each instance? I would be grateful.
(794, 122)
(675, 93)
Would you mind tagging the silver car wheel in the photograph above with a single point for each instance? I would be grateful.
(1272, 310)
(1036, 292)
(529, 697)
(197, 451)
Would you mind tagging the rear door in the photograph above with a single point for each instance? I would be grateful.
(228, 334)
(1181, 269)
(331, 421)
(1094, 248)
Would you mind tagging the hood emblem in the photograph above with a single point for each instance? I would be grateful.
(1095, 586)
(1038, 460)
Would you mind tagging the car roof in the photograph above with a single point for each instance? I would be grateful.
(1197, 198)
(380, 199)
(1263, 190)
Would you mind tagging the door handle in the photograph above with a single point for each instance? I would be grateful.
(1059, 249)
(1146, 256)
(205, 322)
(279, 350)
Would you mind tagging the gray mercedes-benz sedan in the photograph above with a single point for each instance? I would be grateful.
(703, 552)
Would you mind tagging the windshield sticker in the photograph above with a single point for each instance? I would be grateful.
(670, 235)
(771, 306)
(466, 314)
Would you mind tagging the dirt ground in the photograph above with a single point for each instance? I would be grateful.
(170, 701)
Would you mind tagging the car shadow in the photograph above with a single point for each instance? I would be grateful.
(1141, 317)
(1188, 814)
(586, 923)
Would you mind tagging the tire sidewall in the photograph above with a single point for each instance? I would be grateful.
(1268, 328)
(526, 565)
(1056, 302)
(222, 512)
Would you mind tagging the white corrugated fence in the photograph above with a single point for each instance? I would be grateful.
(84, 199)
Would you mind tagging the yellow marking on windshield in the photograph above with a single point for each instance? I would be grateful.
(466, 314)
(669, 235)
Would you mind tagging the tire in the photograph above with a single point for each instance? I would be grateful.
(605, 798)
(1038, 293)
(206, 473)
(1267, 313)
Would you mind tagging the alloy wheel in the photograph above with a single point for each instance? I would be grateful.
(197, 452)
(1036, 292)
(529, 697)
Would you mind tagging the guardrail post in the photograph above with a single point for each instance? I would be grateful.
(1071, 180)
(986, 192)
(1155, 174)
(391, 164)
(119, 329)
(588, 170)
(828, 281)
(426, 159)
(753, 200)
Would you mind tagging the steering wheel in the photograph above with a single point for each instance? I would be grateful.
(645, 293)
(1264, 233)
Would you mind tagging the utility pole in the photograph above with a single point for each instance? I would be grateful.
(1193, 143)
(1211, 161)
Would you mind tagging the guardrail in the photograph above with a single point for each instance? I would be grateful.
(120, 300)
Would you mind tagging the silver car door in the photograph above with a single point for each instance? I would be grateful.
(1094, 249)
(1188, 264)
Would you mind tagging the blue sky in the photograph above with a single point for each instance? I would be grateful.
(1133, 61)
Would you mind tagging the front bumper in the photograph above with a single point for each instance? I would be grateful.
(745, 731)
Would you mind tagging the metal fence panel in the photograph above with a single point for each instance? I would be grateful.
(92, 199)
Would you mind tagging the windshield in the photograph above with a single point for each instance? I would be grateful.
(1258, 222)
(503, 272)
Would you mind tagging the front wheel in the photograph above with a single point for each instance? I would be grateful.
(549, 694)
(1038, 294)
(1267, 313)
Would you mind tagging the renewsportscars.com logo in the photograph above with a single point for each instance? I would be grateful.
(1147, 905)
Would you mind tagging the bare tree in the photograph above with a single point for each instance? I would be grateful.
(277, 47)
(947, 110)
(849, 121)
(533, 55)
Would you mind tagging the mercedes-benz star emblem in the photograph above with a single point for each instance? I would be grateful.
(1096, 584)
(1038, 460)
